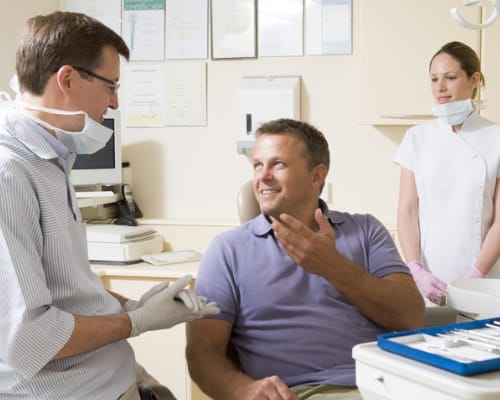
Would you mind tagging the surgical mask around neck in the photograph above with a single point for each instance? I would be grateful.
(14, 85)
(89, 140)
(455, 112)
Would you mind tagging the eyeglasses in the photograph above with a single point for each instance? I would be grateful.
(114, 86)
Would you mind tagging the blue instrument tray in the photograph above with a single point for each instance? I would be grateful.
(413, 344)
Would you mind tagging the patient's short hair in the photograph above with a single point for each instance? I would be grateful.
(315, 143)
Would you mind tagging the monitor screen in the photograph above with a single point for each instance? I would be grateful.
(105, 166)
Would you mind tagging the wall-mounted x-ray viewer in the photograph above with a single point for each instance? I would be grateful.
(260, 99)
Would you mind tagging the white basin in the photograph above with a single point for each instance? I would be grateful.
(479, 298)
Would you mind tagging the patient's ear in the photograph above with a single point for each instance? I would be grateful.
(319, 173)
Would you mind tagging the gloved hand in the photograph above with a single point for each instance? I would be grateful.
(430, 286)
(162, 310)
(133, 304)
(473, 273)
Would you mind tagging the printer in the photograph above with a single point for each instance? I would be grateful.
(119, 244)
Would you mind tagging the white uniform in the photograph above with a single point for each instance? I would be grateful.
(455, 174)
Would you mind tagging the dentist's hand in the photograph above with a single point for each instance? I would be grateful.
(133, 304)
(430, 286)
(168, 307)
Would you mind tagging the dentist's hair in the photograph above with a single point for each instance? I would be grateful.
(50, 41)
(467, 58)
(315, 144)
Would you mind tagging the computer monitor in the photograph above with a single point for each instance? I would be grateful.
(105, 166)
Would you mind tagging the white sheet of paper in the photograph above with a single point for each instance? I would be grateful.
(186, 29)
(144, 29)
(108, 12)
(280, 27)
(233, 28)
(186, 93)
(144, 95)
(328, 27)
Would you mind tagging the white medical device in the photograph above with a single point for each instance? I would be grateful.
(475, 298)
(260, 99)
(483, 3)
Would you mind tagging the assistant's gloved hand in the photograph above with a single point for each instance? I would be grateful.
(166, 308)
(133, 304)
(473, 273)
(430, 286)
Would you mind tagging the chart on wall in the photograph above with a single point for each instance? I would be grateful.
(233, 28)
(328, 27)
(108, 12)
(144, 29)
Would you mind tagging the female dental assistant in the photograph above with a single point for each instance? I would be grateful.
(449, 199)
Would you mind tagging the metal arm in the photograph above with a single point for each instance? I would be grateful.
(483, 3)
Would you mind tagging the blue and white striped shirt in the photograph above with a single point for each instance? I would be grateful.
(45, 277)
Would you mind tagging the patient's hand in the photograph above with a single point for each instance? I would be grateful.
(271, 387)
(314, 251)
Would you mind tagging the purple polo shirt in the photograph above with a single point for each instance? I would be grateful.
(287, 321)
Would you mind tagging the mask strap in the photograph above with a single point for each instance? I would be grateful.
(49, 110)
(4, 96)
(479, 104)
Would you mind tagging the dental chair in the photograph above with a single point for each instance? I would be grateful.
(248, 208)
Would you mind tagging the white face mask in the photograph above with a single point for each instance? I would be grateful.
(90, 139)
(453, 113)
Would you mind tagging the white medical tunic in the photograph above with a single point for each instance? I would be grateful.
(455, 175)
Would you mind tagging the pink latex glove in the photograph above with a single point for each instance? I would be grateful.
(473, 273)
(430, 286)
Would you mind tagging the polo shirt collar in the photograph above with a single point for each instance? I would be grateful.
(260, 226)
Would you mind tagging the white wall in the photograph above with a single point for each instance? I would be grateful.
(13, 14)
(193, 173)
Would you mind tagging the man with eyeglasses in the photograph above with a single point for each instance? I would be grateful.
(62, 335)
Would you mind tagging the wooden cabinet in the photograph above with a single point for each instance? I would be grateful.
(396, 41)
(162, 352)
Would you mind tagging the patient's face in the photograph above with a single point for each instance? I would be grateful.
(282, 180)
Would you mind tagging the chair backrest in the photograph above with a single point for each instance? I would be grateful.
(248, 207)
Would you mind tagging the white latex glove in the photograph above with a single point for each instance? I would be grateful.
(162, 310)
(133, 304)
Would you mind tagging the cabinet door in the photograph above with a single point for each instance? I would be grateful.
(490, 61)
(396, 41)
(161, 353)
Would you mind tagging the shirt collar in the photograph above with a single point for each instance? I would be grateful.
(37, 139)
(260, 226)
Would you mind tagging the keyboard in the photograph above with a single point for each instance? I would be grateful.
(84, 195)
(172, 257)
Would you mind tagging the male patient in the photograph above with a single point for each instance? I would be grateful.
(298, 286)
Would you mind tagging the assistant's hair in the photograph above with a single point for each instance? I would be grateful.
(467, 58)
(315, 145)
(50, 41)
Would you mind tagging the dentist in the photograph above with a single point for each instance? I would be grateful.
(62, 334)
(449, 199)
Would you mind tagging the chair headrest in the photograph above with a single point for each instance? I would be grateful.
(248, 207)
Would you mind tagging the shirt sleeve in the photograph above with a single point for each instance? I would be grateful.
(32, 331)
(215, 279)
(405, 154)
(383, 255)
